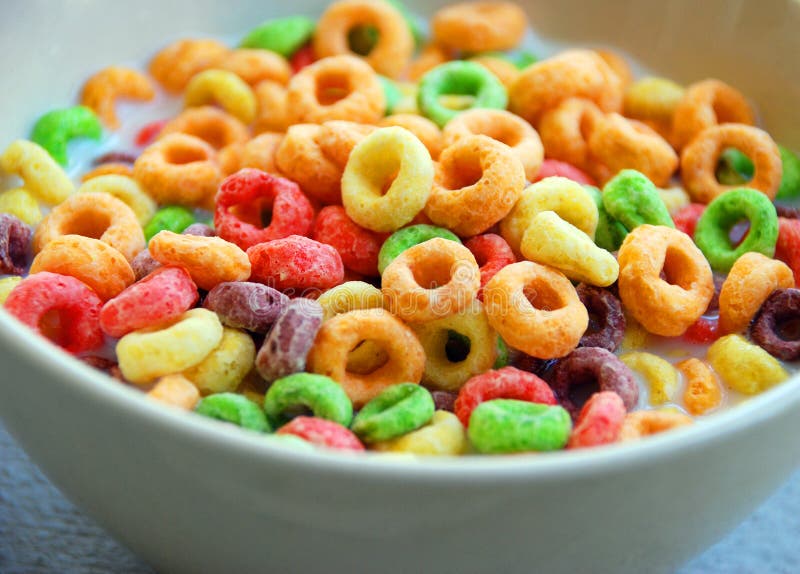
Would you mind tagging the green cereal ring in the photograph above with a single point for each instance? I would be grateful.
(326, 399)
(283, 36)
(507, 425)
(728, 209)
(502, 354)
(55, 129)
(392, 94)
(396, 411)
(408, 237)
(233, 408)
(172, 218)
(610, 233)
(790, 181)
(735, 168)
(463, 79)
(633, 200)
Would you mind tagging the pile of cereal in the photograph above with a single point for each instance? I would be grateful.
(355, 237)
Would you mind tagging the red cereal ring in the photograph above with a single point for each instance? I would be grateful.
(296, 263)
(492, 254)
(554, 167)
(60, 308)
(686, 219)
(149, 133)
(358, 247)
(244, 199)
(788, 247)
(505, 383)
(704, 331)
(163, 295)
(305, 56)
(322, 432)
(599, 421)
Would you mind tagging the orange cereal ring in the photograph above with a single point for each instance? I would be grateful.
(707, 104)
(703, 391)
(394, 47)
(426, 131)
(258, 153)
(211, 124)
(300, 157)
(565, 131)
(108, 169)
(750, 281)
(431, 280)
(337, 139)
(699, 161)
(535, 309)
(336, 88)
(504, 127)
(97, 215)
(640, 424)
(101, 91)
(256, 66)
(476, 183)
(618, 65)
(479, 26)
(179, 169)
(668, 306)
(574, 73)
(175, 65)
(209, 260)
(89, 260)
(341, 334)
(272, 114)
(619, 143)
(429, 57)
(503, 70)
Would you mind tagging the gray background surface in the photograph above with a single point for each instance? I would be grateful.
(42, 533)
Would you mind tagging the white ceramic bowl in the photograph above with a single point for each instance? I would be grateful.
(192, 496)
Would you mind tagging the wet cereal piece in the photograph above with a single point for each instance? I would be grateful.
(645, 423)
(772, 328)
(606, 320)
(175, 390)
(745, 367)
(15, 245)
(599, 422)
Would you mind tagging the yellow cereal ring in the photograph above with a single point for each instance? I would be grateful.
(565, 131)
(100, 92)
(443, 436)
(567, 198)
(574, 73)
(7, 285)
(149, 354)
(635, 337)
(387, 156)
(175, 390)
(394, 47)
(256, 66)
(350, 296)
(210, 124)
(407, 105)
(661, 377)
(502, 69)
(431, 280)
(640, 424)
(336, 88)
(504, 127)
(179, 169)
(745, 367)
(427, 131)
(271, 101)
(21, 204)
(300, 157)
(92, 261)
(472, 323)
(176, 64)
(225, 367)
(750, 281)
(477, 181)
(703, 392)
(224, 88)
(535, 309)
(95, 215)
(209, 260)
(479, 26)
(653, 99)
(675, 198)
(126, 190)
(552, 241)
(43, 177)
(111, 168)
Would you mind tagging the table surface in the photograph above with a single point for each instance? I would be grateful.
(42, 533)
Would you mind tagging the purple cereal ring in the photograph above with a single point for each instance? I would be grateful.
(775, 328)
(592, 369)
(606, 321)
(200, 229)
(524, 362)
(144, 264)
(285, 349)
(15, 243)
(444, 400)
(245, 305)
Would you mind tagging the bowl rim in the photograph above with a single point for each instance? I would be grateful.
(34, 349)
